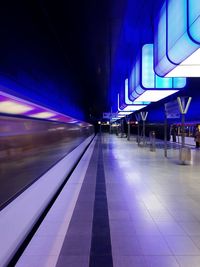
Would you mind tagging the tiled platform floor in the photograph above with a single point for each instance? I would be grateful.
(153, 206)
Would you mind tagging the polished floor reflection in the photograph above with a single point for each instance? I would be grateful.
(153, 205)
(153, 211)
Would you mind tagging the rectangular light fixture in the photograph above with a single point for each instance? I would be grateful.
(43, 115)
(194, 19)
(149, 87)
(121, 116)
(13, 107)
(131, 107)
(155, 95)
(124, 113)
(149, 79)
(188, 68)
(126, 86)
(128, 101)
(177, 39)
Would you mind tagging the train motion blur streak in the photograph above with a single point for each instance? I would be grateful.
(28, 148)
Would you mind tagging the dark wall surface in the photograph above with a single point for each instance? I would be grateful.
(34, 63)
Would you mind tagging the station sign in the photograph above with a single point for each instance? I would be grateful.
(109, 115)
(172, 110)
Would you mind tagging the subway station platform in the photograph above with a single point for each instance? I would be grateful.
(123, 206)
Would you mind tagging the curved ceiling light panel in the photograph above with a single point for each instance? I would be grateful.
(177, 39)
(12, 105)
(128, 101)
(148, 86)
(122, 107)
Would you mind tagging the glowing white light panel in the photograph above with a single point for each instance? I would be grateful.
(43, 115)
(149, 79)
(12, 107)
(124, 112)
(177, 39)
(155, 95)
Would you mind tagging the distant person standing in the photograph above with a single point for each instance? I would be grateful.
(173, 133)
(197, 136)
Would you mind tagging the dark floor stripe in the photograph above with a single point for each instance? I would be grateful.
(76, 246)
(100, 252)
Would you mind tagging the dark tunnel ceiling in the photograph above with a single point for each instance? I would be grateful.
(100, 38)
(81, 30)
(96, 39)
(87, 32)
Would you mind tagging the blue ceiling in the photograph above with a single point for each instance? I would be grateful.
(137, 29)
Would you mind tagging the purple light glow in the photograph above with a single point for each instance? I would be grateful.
(15, 106)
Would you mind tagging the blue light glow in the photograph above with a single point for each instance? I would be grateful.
(132, 107)
(179, 82)
(146, 80)
(161, 63)
(138, 90)
(137, 72)
(194, 19)
(127, 100)
(163, 82)
(179, 45)
(149, 79)
(31, 90)
(132, 79)
(175, 49)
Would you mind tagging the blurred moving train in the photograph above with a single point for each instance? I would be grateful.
(29, 147)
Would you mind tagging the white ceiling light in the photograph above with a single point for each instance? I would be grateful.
(125, 113)
(12, 107)
(155, 95)
(132, 108)
(43, 115)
